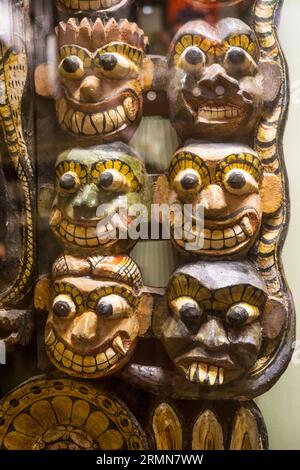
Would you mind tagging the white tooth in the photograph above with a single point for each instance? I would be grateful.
(202, 369)
(217, 235)
(129, 108)
(88, 128)
(247, 227)
(192, 370)
(98, 122)
(221, 376)
(207, 233)
(101, 359)
(217, 244)
(228, 113)
(237, 229)
(121, 111)
(113, 116)
(241, 237)
(229, 233)
(95, 4)
(212, 375)
(230, 242)
(206, 244)
(110, 353)
(221, 114)
(118, 346)
(109, 125)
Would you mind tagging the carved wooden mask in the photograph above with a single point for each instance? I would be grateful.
(213, 333)
(93, 325)
(108, 177)
(92, 7)
(228, 181)
(218, 82)
(100, 69)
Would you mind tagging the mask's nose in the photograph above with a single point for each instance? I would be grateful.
(85, 330)
(215, 83)
(86, 202)
(212, 334)
(90, 89)
(213, 200)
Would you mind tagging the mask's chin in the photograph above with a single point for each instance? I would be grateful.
(101, 362)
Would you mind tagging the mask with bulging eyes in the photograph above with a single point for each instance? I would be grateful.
(93, 7)
(213, 333)
(218, 83)
(100, 70)
(92, 325)
(228, 182)
(94, 186)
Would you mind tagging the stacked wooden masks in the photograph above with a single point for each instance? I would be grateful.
(222, 330)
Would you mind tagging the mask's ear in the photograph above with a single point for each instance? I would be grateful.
(274, 318)
(270, 75)
(271, 193)
(45, 81)
(151, 312)
(42, 294)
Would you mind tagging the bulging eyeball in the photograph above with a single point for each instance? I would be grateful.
(112, 307)
(112, 180)
(115, 66)
(238, 62)
(240, 182)
(187, 184)
(241, 314)
(64, 307)
(71, 67)
(188, 311)
(192, 59)
(68, 183)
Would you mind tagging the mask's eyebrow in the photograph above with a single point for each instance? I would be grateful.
(81, 52)
(131, 52)
(74, 166)
(61, 287)
(224, 298)
(245, 41)
(118, 165)
(104, 291)
(187, 286)
(208, 46)
(244, 161)
(184, 160)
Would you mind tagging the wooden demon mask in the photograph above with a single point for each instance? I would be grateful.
(93, 324)
(92, 7)
(100, 69)
(94, 186)
(214, 330)
(218, 83)
(226, 180)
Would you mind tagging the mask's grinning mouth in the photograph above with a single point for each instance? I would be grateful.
(220, 113)
(86, 5)
(89, 364)
(205, 374)
(103, 123)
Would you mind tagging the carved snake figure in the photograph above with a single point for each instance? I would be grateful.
(13, 74)
(268, 146)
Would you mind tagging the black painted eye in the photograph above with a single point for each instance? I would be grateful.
(190, 315)
(112, 307)
(63, 306)
(190, 181)
(240, 182)
(108, 61)
(71, 67)
(112, 180)
(106, 179)
(104, 308)
(238, 61)
(192, 59)
(241, 314)
(69, 182)
(187, 184)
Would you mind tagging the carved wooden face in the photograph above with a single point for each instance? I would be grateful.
(226, 180)
(91, 7)
(101, 83)
(213, 333)
(215, 90)
(86, 179)
(92, 327)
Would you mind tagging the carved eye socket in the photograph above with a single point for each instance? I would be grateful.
(192, 59)
(71, 67)
(240, 182)
(115, 66)
(241, 314)
(187, 184)
(239, 62)
(188, 311)
(64, 307)
(112, 180)
(69, 182)
(112, 307)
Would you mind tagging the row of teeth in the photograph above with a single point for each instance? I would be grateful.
(220, 112)
(86, 364)
(85, 237)
(97, 123)
(89, 4)
(205, 374)
(220, 239)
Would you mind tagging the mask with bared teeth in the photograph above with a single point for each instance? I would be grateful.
(218, 82)
(93, 325)
(111, 177)
(93, 7)
(100, 70)
(229, 182)
(213, 333)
